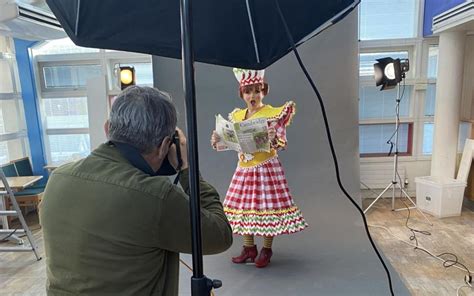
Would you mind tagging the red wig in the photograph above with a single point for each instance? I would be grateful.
(263, 87)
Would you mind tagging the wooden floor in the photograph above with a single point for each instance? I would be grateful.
(21, 274)
(421, 273)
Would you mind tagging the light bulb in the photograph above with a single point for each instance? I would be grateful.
(390, 71)
(126, 76)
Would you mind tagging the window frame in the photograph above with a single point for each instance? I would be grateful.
(60, 132)
(422, 84)
(409, 151)
(376, 46)
(16, 96)
(105, 58)
(418, 29)
(42, 65)
(418, 64)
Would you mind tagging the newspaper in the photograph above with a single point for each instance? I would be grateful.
(248, 136)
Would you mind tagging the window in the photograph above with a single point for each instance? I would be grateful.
(6, 85)
(14, 149)
(63, 113)
(376, 104)
(430, 102)
(4, 157)
(464, 132)
(63, 102)
(66, 128)
(388, 19)
(433, 61)
(377, 139)
(12, 116)
(63, 71)
(68, 76)
(428, 136)
(68, 147)
(13, 136)
(377, 117)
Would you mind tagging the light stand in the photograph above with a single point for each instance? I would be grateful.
(394, 184)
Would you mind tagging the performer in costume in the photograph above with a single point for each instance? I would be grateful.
(258, 201)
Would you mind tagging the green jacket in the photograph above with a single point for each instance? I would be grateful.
(110, 229)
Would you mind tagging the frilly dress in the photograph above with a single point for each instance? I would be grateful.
(258, 201)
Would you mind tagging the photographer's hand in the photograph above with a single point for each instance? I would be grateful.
(172, 155)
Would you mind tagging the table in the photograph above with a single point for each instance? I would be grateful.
(16, 184)
(20, 183)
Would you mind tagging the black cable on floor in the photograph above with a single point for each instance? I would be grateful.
(331, 145)
(446, 262)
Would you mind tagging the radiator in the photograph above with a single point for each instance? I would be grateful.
(378, 176)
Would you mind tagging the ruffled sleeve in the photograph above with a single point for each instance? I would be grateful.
(280, 122)
(286, 115)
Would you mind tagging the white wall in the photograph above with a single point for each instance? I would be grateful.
(97, 109)
(413, 168)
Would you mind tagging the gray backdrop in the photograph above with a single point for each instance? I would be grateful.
(333, 256)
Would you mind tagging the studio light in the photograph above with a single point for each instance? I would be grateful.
(389, 72)
(127, 77)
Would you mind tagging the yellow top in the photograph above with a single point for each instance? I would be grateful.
(283, 114)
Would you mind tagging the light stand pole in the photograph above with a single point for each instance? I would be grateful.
(395, 182)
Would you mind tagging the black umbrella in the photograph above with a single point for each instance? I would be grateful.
(250, 34)
(237, 33)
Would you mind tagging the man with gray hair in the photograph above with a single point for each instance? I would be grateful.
(111, 224)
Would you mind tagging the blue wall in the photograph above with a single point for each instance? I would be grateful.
(30, 102)
(432, 9)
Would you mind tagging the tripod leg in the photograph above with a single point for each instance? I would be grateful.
(378, 197)
(393, 195)
(414, 206)
(368, 188)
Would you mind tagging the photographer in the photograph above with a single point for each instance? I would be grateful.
(111, 226)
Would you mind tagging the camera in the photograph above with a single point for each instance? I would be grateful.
(175, 139)
(166, 168)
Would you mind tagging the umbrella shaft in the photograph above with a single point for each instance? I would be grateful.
(191, 123)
